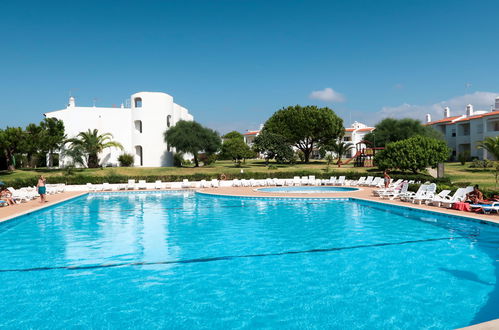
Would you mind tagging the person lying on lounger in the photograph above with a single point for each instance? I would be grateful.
(6, 195)
(476, 196)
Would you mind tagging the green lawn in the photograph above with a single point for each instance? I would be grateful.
(457, 172)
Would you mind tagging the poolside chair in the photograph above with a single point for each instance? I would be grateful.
(396, 193)
(341, 181)
(215, 183)
(411, 194)
(441, 196)
(186, 183)
(312, 181)
(304, 180)
(428, 194)
(121, 186)
(296, 181)
(106, 186)
(131, 184)
(459, 196)
(279, 182)
(487, 208)
(159, 185)
(392, 187)
(142, 184)
(376, 182)
(18, 196)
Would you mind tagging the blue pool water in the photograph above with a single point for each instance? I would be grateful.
(180, 260)
(308, 189)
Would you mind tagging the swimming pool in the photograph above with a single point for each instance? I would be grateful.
(308, 189)
(184, 260)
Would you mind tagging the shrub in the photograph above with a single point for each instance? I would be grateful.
(208, 159)
(463, 157)
(178, 157)
(414, 154)
(126, 160)
(477, 163)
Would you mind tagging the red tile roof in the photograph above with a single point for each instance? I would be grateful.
(457, 119)
(251, 133)
(443, 120)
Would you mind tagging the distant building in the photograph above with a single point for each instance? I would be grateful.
(463, 132)
(139, 128)
(354, 134)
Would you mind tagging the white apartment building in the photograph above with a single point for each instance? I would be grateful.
(464, 132)
(139, 128)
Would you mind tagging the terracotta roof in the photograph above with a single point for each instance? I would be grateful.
(251, 133)
(443, 120)
(366, 129)
(457, 119)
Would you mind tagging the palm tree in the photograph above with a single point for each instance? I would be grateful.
(340, 148)
(491, 144)
(92, 144)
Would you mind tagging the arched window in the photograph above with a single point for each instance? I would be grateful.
(138, 155)
(168, 120)
(137, 102)
(138, 125)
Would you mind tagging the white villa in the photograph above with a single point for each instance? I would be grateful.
(139, 128)
(463, 132)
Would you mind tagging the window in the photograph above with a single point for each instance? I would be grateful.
(137, 102)
(453, 132)
(138, 156)
(493, 126)
(347, 138)
(168, 120)
(138, 125)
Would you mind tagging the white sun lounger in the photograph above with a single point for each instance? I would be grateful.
(459, 196)
(131, 184)
(426, 195)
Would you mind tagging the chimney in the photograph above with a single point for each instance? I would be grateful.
(71, 103)
(469, 110)
(428, 118)
(497, 103)
(446, 112)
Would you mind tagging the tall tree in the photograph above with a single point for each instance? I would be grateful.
(33, 143)
(53, 137)
(491, 144)
(273, 146)
(93, 143)
(233, 135)
(12, 142)
(191, 137)
(393, 130)
(236, 150)
(305, 127)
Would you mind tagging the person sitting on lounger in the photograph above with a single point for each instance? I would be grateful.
(476, 196)
(6, 195)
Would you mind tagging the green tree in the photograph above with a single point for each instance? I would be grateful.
(191, 137)
(33, 143)
(273, 146)
(414, 154)
(339, 148)
(92, 143)
(12, 142)
(236, 150)
(233, 135)
(305, 127)
(491, 144)
(53, 137)
(393, 130)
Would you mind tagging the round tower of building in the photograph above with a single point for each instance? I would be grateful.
(151, 114)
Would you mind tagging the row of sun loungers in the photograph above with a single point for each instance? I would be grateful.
(426, 194)
(26, 194)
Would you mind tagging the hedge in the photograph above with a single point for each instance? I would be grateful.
(78, 179)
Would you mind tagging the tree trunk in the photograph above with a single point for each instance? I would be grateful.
(93, 161)
(196, 162)
(306, 155)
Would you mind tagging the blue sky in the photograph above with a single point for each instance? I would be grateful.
(233, 63)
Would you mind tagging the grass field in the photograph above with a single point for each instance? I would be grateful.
(455, 171)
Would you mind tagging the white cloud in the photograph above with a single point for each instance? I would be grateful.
(327, 95)
(457, 105)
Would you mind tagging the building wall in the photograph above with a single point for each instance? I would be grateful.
(140, 128)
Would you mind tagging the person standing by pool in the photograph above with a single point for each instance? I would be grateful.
(42, 190)
(387, 178)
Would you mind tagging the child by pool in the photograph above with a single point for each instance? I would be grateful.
(42, 190)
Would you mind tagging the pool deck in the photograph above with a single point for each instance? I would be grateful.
(9, 212)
